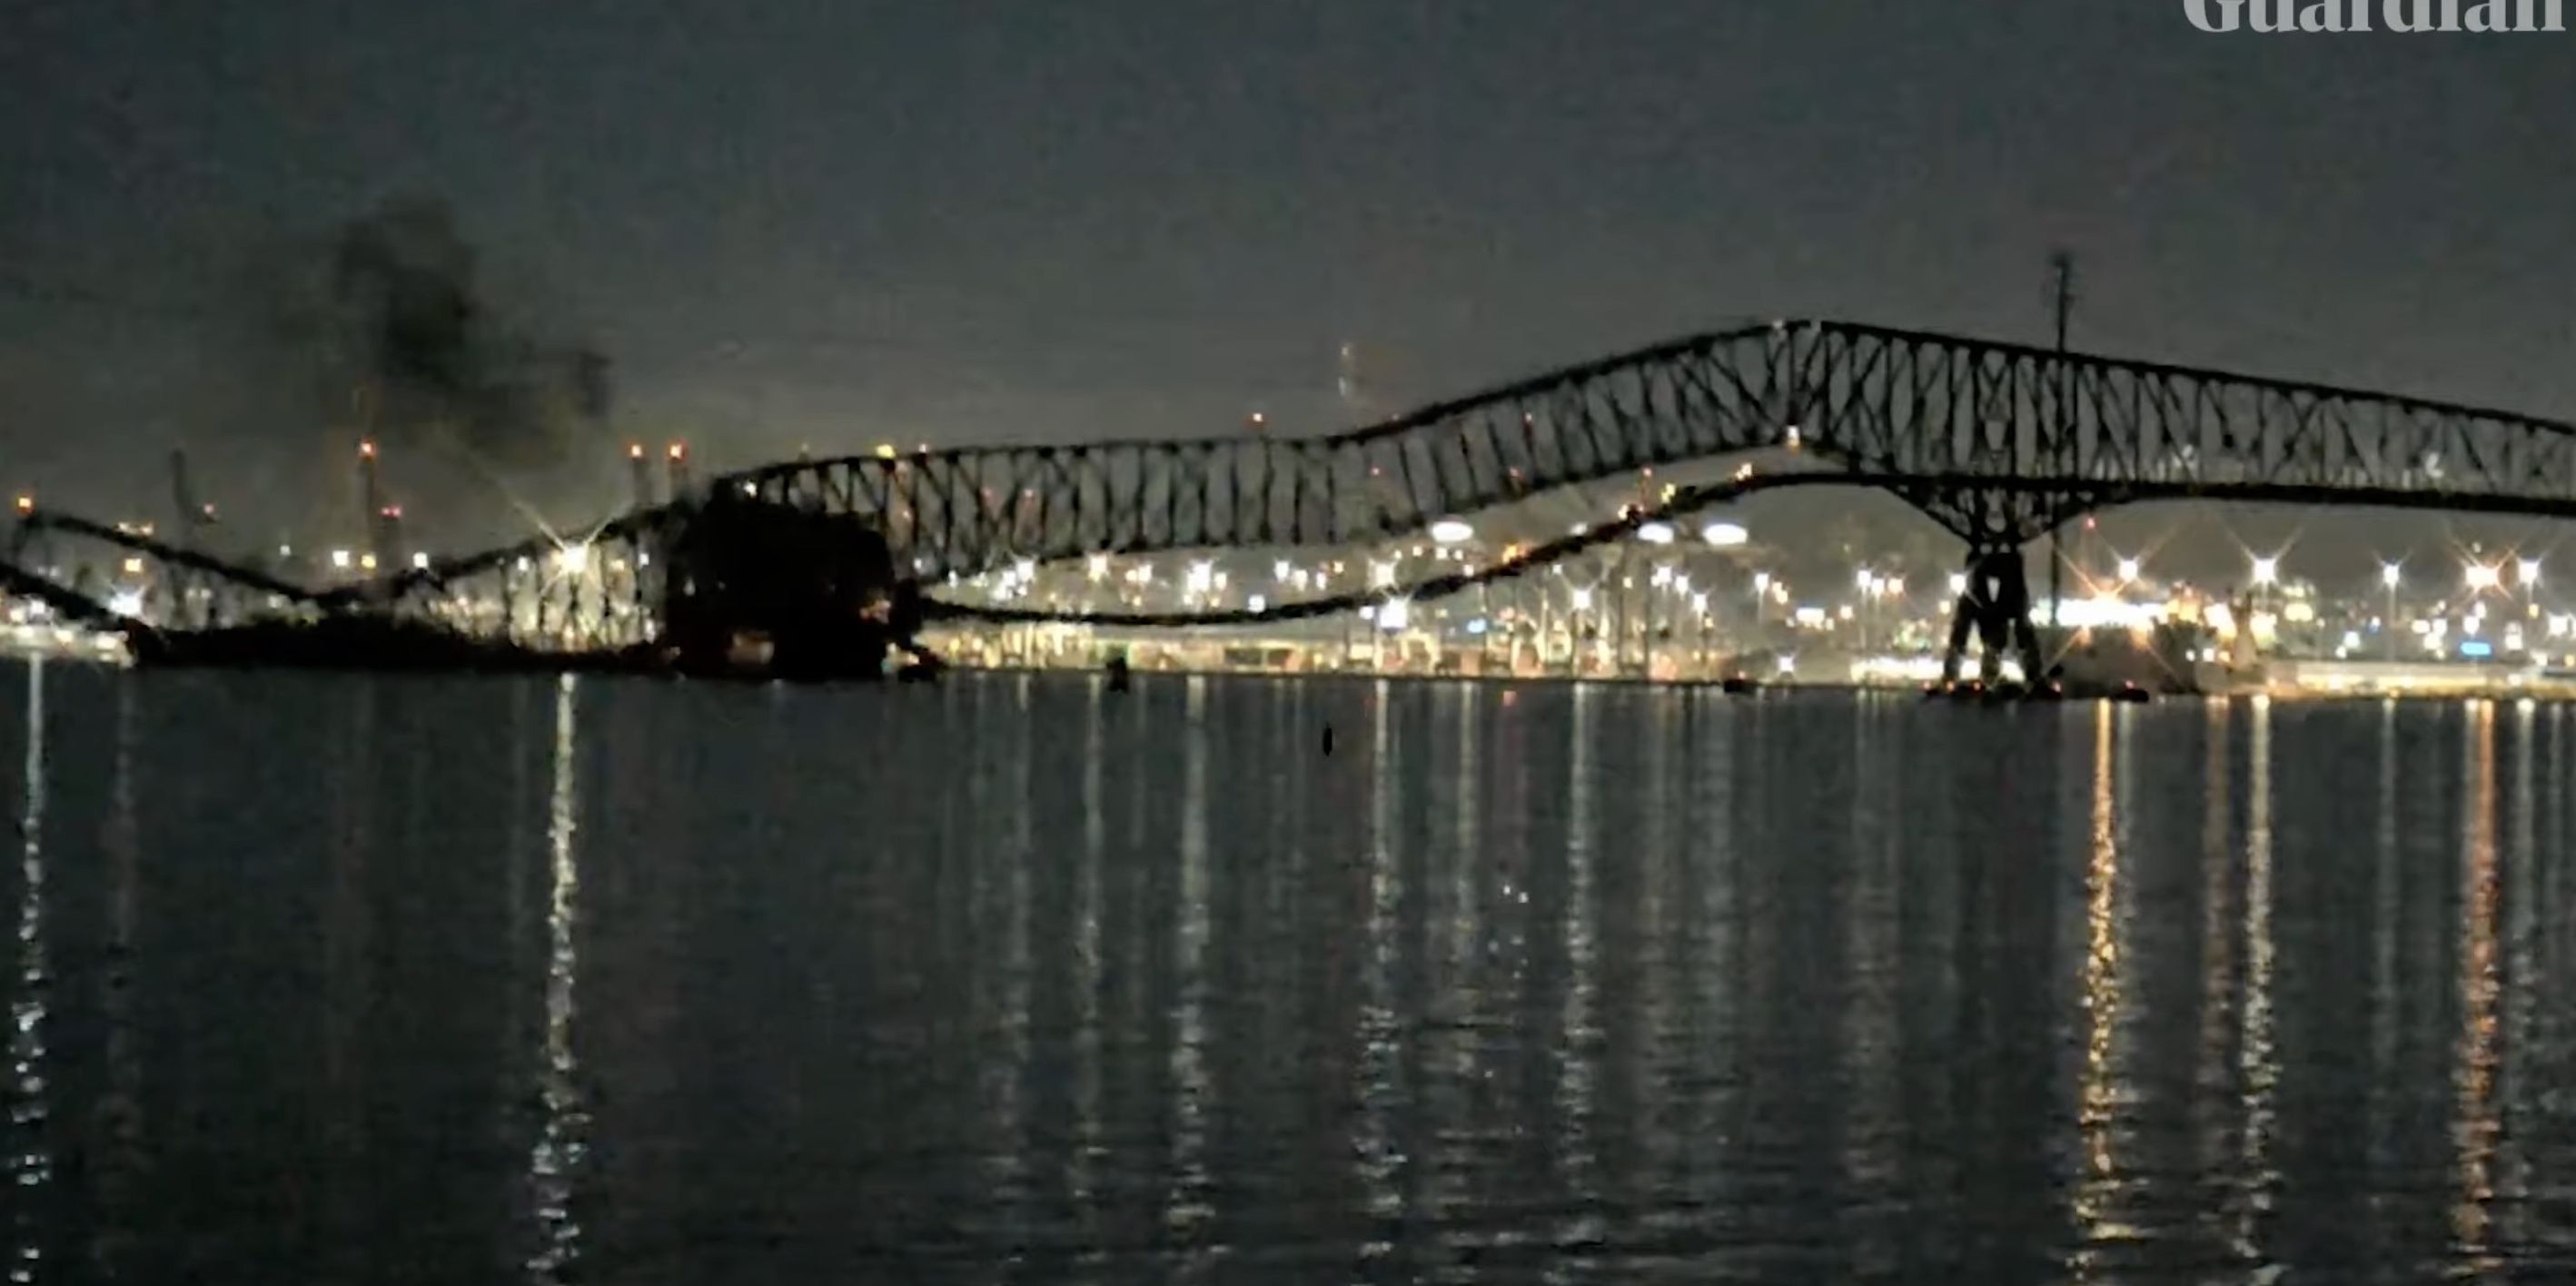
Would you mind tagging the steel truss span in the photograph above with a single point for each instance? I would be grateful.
(1996, 442)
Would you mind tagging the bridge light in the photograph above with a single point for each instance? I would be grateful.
(1259, 604)
(634, 450)
(1394, 614)
(2267, 571)
(1656, 533)
(2129, 570)
(133, 567)
(1958, 582)
(1726, 535)
(1452, 531)
(2391, 575)
(1583, 600)
(574, 558)
(679, 451)
(885, 450)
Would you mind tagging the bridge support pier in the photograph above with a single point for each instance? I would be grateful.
(1995, 608)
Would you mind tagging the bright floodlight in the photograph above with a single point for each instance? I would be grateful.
(1958, 582)
(2482, 577)
(2391, 575)
(2129, 569)
(420, 562)
(1656, 533)
(1395, 615)
(573, 558)
(340, 559)
(1583, 600)
(2530, 573)
(1865, 579)
(2267, 571)
(1452, 531)
(1725, 535)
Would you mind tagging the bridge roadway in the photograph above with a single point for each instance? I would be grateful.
(1999, 443)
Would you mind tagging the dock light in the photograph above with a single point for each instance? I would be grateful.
(340, 559)
(1726, 535)
(573, 558)
(1451, 531)
(1656, 533)
(2267, 571)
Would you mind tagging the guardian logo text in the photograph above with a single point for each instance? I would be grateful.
(2406, 17)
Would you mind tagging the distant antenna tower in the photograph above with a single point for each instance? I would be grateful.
(2061, 272)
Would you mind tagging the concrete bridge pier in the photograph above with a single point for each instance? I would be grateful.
(1995, 609)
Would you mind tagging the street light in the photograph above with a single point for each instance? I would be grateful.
(2391, 575)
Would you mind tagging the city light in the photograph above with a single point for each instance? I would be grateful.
(634, 450)
(885, 450)
(2267, 571)
(1394, 614)
(1583, 600)
(1452, 531)
(1958, 582)
(1281, 570)
(2481, 577)
(1656, 533)
(1761, 584)
(1726, 535)
(1258, 603)
(2529, 570)
(1202, 576)
(1865, 580)
(366, 562)
(2391, 575)
(126, 602)
(1099, 566)
(420, 562)
(26, 504)
(2129, 570)
(340, 559)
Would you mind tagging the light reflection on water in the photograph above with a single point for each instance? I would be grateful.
(1543, 984)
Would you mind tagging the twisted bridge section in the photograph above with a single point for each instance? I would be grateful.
(1997, 442)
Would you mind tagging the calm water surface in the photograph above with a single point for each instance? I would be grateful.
(328, 980)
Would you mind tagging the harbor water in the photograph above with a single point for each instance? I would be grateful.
(1020, 979)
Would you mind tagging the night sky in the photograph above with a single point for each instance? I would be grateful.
(839, 223)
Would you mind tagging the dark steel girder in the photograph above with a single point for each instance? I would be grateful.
(2018, 438)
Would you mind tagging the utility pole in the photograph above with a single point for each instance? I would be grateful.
(2062, 268)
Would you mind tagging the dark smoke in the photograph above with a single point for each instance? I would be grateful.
(438, 364)
(392, 327)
